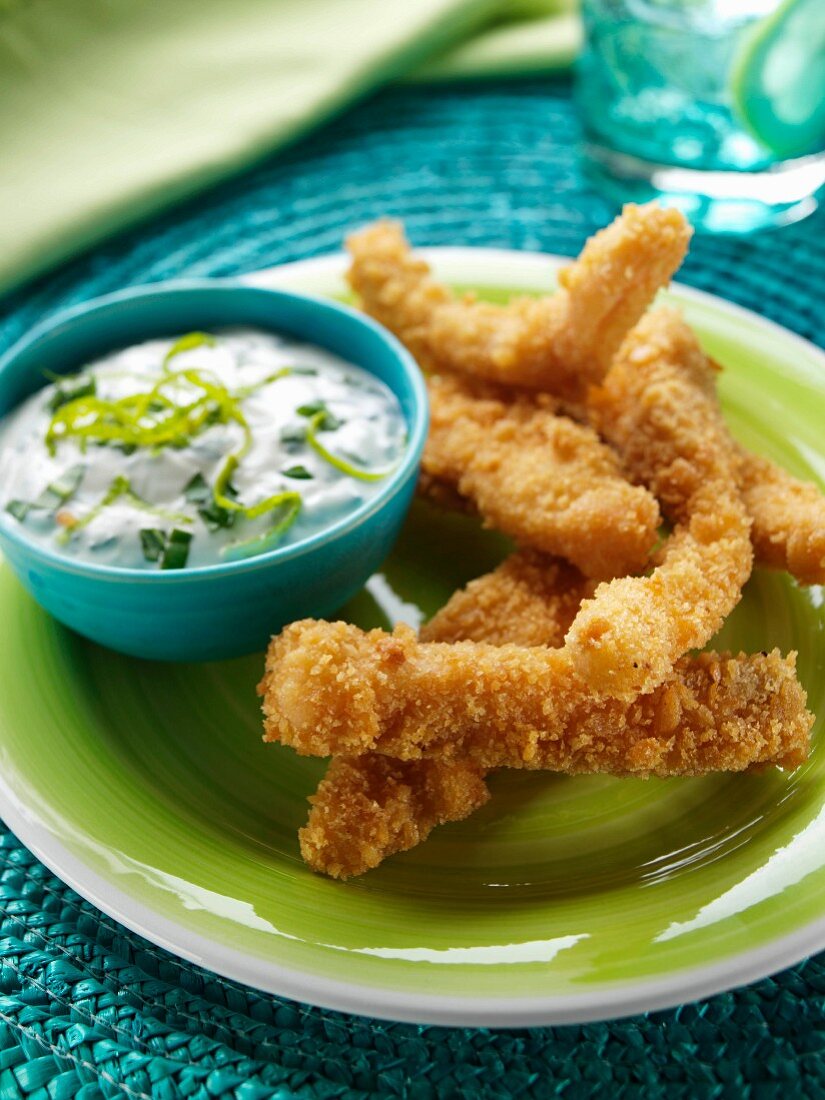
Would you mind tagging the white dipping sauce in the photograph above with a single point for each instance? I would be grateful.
(360, 423)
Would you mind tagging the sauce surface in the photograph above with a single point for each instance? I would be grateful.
(196, 451)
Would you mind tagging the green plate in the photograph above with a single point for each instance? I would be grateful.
(147, 787)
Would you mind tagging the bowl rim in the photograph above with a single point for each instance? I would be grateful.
(395, 482)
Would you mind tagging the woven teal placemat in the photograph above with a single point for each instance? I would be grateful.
(89, 1010)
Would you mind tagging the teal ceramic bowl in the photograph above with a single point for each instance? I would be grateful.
(231, 608)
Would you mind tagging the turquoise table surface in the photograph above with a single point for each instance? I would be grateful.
(89, 1010)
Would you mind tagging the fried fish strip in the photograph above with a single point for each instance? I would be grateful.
(658, 407)
(330, 688)
(529, 600)
(788, 514)
(788, 519)
(369, 807)
(546, 481)
(788, 529)
(558, 344)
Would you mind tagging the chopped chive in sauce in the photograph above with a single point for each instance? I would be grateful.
(217, 518)
(153, 543)
(170, 551)
(323, 419)
(70, 390)
(301, 473)
(311, 409)
(293, 434)
(19, 509)
(214, 515)
(57, 492)
(197, 490)
(61, 489)
(176, 552)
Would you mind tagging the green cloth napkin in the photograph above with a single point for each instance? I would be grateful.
(538, 44)
(111, 109)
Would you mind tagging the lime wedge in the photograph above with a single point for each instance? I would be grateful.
(778, 78)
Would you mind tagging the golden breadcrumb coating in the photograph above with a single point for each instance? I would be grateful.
(658, 407)
(788, 514)
(529, 600)
(369, 807)
(546, 481)
(788, 528)
(558, 344)
(330, 688)
(788, 519)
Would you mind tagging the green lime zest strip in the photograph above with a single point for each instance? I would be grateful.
(270, 539)
(120, 487)
(150, 419)
(315, 423)
(247, 391)
(250, 511)
(189, 342)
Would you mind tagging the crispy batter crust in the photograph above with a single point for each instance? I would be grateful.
(332, 688)
(788, 519)
(658, 407)
(544, 480)
(369, 807)
(557, 344)
(529, 600)
(788, 514)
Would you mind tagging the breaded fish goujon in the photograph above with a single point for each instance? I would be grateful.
(658, 407)
(369, 807)
(556, 344)
(330, 688)
(546, 481)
